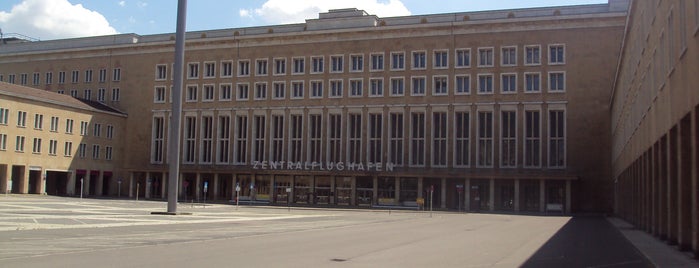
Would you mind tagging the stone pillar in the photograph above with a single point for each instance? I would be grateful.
(131, 184)
(353, 198)
(86, 185)
(542, 195)
(70, 186)
(517, 209)
(197, 187)
(396, 201)
(215, 187)
(100, 184)
(443, 194)
(332, 190)
(568, 197)
(375, 192)
(491, 196)
(419, 187)
(163, 185)
(149, 182)
(467, 195)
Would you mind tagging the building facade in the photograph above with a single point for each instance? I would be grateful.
(482, 111)
(655, 124)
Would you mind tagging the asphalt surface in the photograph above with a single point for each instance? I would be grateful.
(44, 231)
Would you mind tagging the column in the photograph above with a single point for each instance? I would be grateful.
(43, 183)
(542, 195)
(443, 194)
(163, 185)
(100, 182)
(419, 187)
(86, 185)
(131, 185)
(149, 182)
(197, 188)
(491, 197)
(70, 186)
(517, 195)
(215, 187)
(568, 197)
(396, 201)
(375, 194)
(332, 190)
(234, 194)
(467, 195)
(353, 199)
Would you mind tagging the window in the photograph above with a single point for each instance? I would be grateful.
(88, 94)
(335, 138)
(4, 115)
(53, 144)
(279, 66)
(21, 119)
(336, 88)
(61, 78)
(3, 142)
(557, 54)
(68, 148)
(243, 68)
(418, 86)
(225, 92)
(36, 146)
(74, 77)
(110, 132)
(299, 66)
(397, 86)
(397, 61)
(354, 138)
(485, 84)
(38, 121)
(440, 86)
(102, 75)
(88, 76)
(462, 131)
(463, 58)
(19, 144)
(116, 94)
(192, 91)
(532, 82)
(316, 89)
(297, 89)
(509, 56)
(101, 93)
(376, 87)
(377, 62)
(261, 69)
(485, 57)
(190, 136)
(37, 78)
(209, 69)
(242, 92)
(508, 83)
(485, 139)
(60, 91)
(69, 126)
(396, 134)
(557, 147)
(279, 90)
(356, 87)
(439, 139)
(74, 93)
(532, 139)
(54, 124)
(108, 153)
(97, 129)
(83, 128)
(533, 55)
(462, 84)
(159, 95)
(375, 136)
(417, 139)
(158, 140)
(317, 64)
(224, 139)
(208, 93)
(260, 91)
(49, 78)
(82, 150)
(557, 82)
(207, 138)
(277, 138)
(23, 79)
(419, 60)
(357, 62)
(95, 151)
(315, 138)
(441, 59)
(226, 69)
(258, 143)
(336, 64)
(508, 139)
(295, 138)
(193, 71)
(11, 78)
(116, 74)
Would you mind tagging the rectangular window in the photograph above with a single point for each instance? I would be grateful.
(88, 94)
(376, 87)
(485, 84)
(36, 146)
(441, 59)
(279, 66)
(557, 54)
(101, 93)
(557, 82)
(532, 82)
(485, 139)
(315, 138)
(508, 139)
(36, 79)
(54, 123)
(336, 64)
(509, 56)
(226, 69)
(108, 153)
(260, 91)
(95, 151)
(317, 64)
(397, 61)
(299, 66)
(439, 139)
(69, 126)
(440, 85)
(336, 88)
(397, 86)
(88, 76)
(356, 87)
(161, 72)
(23, 79)
(49, 78)
(207, 140)
(3, 142)
(485, 57)
(4, 116)
(208, 93)
(19, 144)
(532, 139)
(243, 68)
(419, 60)
(61, 78)
(533, 55)
(224, 139)
(74, 77)
(396, 139)
(68, 149)
(82, 150)
(11, 78)
(557, 140)
(357, 62)
(225, 92)
(258, 145)
(463, 58)
(335, 138)
(102, 76)
(158, 140)
(462, 133)
(193, 70)
(417, 139)
(21, 119)
(209, 69)
(377, 62)
(189, 150)
(261, 68)
(354, 139)
(53, 144)
(116, 74)
(242, 93)
(296, 138)
(110, 132)
(192, 92)
(508, 83)
(116, 94)
(316, 89)
(418, 86)
(462, 84)
(97, 129)
(38, 121)
(375, 137)
(297, 90)
(277, 138)
(279, 90)
(159, 95)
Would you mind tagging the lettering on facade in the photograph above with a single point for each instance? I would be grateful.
(322, 166)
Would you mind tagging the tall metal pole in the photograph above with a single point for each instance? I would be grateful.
(176, 117)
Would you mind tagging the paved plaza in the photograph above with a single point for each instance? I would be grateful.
(45, 231)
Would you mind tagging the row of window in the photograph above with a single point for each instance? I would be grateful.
(438, 85)
(54, 124)
(242, 139)
(87, 94)
(376, 62)
(74, 77)
(53, 148)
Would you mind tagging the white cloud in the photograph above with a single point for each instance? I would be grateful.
(54, 19)
(286, 11)
(142, 4)
(122, 3)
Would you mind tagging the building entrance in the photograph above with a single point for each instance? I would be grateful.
(35, 181)
(56, 183)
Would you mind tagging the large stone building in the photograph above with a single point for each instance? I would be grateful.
(496, 110)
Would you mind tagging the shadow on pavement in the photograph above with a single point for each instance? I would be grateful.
(587, 241)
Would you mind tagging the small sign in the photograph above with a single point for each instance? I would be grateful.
(288, 190)
(460, 188)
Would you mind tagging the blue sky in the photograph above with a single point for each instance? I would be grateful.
(52, 19)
